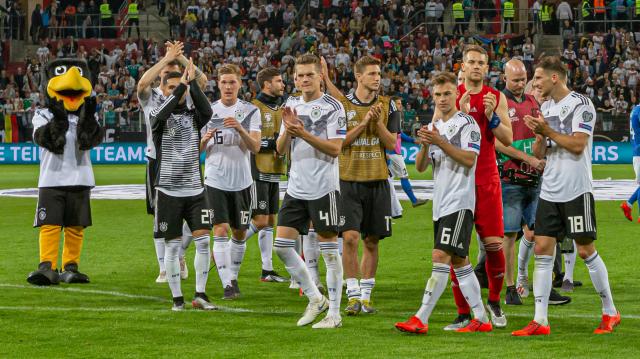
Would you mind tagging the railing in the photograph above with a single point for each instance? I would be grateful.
(12, 27)
(92, 26)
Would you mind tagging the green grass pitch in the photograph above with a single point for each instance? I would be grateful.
(124, 313)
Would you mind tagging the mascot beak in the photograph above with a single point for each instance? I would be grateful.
(71, 88)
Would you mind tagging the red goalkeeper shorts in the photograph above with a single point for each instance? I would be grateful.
(488, 215)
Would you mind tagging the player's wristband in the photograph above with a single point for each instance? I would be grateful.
(494, 121)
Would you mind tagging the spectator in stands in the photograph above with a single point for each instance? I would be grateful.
(36, 24)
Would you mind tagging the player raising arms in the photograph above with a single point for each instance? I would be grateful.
(231, 134)
(566, 205)
(313, 129)
(451, 143)
(489, 108)
(180, 192)
(151, 98)
(266, 168)
(372, 125)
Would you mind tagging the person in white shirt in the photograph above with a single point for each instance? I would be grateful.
(313, 128)
(564, 136)
(451, 143)
(228, 139)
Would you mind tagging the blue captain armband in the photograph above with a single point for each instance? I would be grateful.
(494, 121)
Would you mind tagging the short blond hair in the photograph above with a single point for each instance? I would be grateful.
(309, 59)
(229, 69)
(474, 48)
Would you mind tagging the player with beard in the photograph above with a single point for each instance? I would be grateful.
(266, 168)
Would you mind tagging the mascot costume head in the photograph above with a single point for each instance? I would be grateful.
(66, 130)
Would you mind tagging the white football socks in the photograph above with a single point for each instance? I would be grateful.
(353, 288)
(311, 251)
(265, 242)
(570, 263)
(434, 289)
(366, 287)
(160, 245)
(285, 249)
(187, 237)
(470, 288)
(251, 230)
(202, 262)
(525, 250)
(236, 252)
(542, 287)
(600, 279)
(222, 258)
(172, 265)
(333, 262)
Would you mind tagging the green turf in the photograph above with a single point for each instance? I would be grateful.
(127, 314)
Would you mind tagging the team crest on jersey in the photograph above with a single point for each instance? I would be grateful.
(172, 131)
(451, 131)
(564, 111)
(512, 112)
(316, 112)
(262, 205)
(343, 220)
(239, 115)
(163, 226)
(267, 117)
(350, 115)
(475, 136)
(587, 117)
(42, 214)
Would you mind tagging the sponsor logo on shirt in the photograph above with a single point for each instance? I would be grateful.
(42, 214)
(351, 114)
(474, 145)
(163, 226)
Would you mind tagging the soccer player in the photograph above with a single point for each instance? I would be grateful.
(313, 128)
(489, 108)
(266, 168)
(634, 127)
(179, 188)
(231, 135)
(520, 172)
(451, 143)
(150, 98)
(564, 136)
(397, 167)
(372, 125)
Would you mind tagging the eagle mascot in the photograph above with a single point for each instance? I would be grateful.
(66, 130)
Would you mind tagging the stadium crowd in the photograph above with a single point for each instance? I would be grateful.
(603, 65)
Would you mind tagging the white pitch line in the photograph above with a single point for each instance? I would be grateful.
(89, 291)
(565, 314)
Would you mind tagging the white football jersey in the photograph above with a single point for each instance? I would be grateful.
(454, 184)
(72, 167)
(314, 174)
(567, 176)
(228, 160)
(153, 101)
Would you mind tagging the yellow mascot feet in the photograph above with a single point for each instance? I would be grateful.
(71, 256)
(49, 243)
